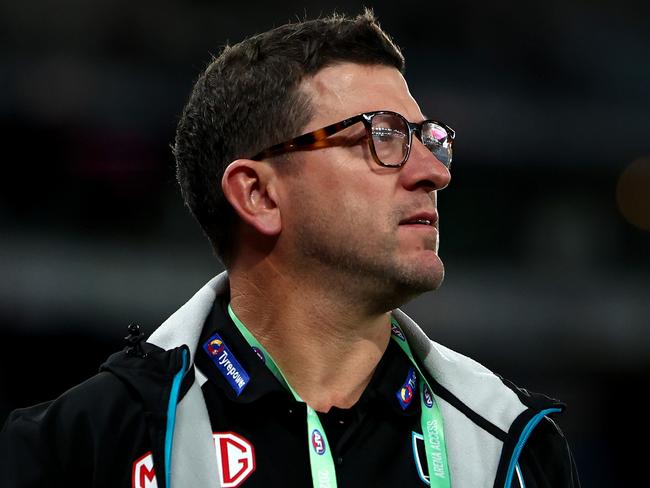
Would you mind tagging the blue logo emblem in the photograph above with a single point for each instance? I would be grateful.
(405, 393)
(226, 363)
(427, 396)
(317, 442)
(397, 332)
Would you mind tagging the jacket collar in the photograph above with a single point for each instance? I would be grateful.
(185, 325)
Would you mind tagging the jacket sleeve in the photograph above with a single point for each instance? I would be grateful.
(87, 437)
(26, 450)
(546, 461)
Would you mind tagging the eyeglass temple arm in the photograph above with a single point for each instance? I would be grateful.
(315, 139)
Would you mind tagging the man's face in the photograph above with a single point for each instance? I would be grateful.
(351, 220)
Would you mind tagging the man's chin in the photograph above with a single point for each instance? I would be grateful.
(413, 281)
(426, 272)
(421, 282)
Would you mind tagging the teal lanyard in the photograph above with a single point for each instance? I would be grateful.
(323, 472)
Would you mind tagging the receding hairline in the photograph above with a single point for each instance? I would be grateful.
(313, 86)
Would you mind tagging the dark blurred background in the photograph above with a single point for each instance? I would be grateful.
(545, 227)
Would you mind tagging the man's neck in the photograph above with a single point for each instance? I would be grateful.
(326, 349)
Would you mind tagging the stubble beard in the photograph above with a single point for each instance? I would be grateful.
(366, 268)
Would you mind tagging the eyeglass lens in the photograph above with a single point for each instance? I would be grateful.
(390, 137)
(436, 139)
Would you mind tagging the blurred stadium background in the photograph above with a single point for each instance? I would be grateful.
(545, 227)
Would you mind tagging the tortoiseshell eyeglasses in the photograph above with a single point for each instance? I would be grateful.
(389, 136)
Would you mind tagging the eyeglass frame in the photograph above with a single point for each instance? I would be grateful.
(316, 139)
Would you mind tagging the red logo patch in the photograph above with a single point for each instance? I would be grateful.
(236, 458)
(144, 473)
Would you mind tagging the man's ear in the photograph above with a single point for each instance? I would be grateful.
(250, 187)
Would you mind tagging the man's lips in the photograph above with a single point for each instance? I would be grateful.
(428, 219)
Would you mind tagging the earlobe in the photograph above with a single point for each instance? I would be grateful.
(249, 186)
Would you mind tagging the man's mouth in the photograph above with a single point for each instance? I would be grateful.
(422, 218)
(417, 221)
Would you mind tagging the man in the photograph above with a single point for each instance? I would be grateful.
(314, 174)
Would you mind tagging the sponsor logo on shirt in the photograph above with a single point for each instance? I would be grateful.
(235, 460)
(143, 474)
(405, 393)
(317, 442)
(215, 347)
(235, 457)
(226, 363)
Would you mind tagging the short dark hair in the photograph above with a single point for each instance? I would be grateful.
(248, 98)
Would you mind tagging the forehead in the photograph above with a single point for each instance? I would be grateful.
(347, 89)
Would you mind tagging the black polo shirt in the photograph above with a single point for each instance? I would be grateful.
(260, 430)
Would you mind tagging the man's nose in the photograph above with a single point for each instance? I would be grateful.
(424, 170)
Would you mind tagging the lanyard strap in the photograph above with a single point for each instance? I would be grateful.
(323, 472)
(430, 420)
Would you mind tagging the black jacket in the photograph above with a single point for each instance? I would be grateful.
(91, 435)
